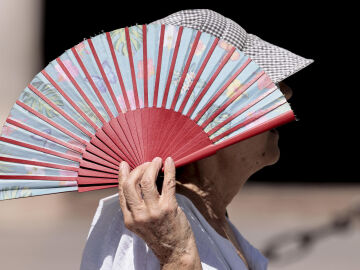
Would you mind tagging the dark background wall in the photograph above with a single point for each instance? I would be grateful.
(323, 145)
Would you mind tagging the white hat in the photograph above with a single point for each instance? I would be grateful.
(277, 62)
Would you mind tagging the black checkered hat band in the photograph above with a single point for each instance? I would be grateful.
(277, 62)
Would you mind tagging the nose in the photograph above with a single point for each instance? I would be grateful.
(286, 90)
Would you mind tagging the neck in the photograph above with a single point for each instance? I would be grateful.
(210, 194)
(209, 204)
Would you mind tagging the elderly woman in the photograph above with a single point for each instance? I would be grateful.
(185, 226)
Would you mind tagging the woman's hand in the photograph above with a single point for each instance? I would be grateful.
(156, 218)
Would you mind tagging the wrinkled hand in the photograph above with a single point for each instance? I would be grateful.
(156, 218)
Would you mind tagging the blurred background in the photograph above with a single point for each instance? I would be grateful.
(303, 212)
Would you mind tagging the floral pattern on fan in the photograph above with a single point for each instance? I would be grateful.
(150, 69)
(15, 192)
(34, 102)
(120, 39)
(61, 74)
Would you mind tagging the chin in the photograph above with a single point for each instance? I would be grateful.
(274, 157)
(273, 152)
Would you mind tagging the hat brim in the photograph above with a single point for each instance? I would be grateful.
(277, 62)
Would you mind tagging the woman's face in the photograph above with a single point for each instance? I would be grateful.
(253, 153)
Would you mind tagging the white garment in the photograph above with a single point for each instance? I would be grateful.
(111, 246)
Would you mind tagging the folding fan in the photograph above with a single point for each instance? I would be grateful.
(132, 94)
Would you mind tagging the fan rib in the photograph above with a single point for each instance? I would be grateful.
(93, 173)
(95, 187)
(192, 141)
(91, 148)
(105, 144)
(237, 93)
(104, 76)
(180, 124)
(98, 159)
(135, 131)
(247, 121)
(221, 91)
(185, 71)
(172, 66)
(124, 140)
(91, 81)
(189, 138)
(130, 118)
(158, 66)
(144, 114)
(38, 177)
(91, 165)
(51, 122)
(97, 147)
(75, 106)
(201, 69)
(40, 149)
(145, 67)
(132, 69)
(98, 181)
(81, 92)
(59, 110)
(118, 72)
(116, 137)
(44, 135)
(39, 163)
(242, 110)
(209, 83)
(128, 136)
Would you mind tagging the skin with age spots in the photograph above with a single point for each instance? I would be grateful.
(210, 183)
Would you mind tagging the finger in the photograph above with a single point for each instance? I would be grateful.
(168, 189)
(131, 194)
(124, 171)
(148, 186)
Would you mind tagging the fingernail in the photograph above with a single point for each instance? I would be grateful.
(157, 159)
(168, 161)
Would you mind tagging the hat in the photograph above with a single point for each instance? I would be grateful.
(277, 62)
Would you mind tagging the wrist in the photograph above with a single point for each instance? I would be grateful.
(184, 262)
(185, 257)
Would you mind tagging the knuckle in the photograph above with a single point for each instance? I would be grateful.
(141, 220)
(125, 185)
(129, 224)
(155, 215)
(146, 182)
(169, 209)
(171, 183)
